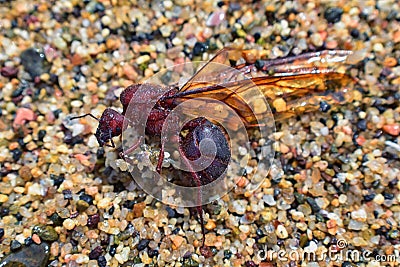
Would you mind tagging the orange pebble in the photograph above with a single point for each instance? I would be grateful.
(36, 239)
(392, 129)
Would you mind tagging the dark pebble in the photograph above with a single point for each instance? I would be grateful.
(175, 231)
(9, 72)
(18, 216)
(32, 256)
(234, 6)
(314, 206)
(1, 233)
(74, 242)
(28, 241)
(227, 254)
(369, 197)
(388, 196)
(86, 198)
(57, 180)
(67, 194)
(34, 62)
(199, 48)
(362, 125)
(99, 7)
(16, 154)
(299, 197)
(324, 106)
(171, 212)
(113, 250)
(41, 135)
(57, 113)
(93, 220)
(220, 4)
(143, 244)
(259, 232)
(15, 245)
(152, 253)
(251, 264)
(95, 253)
(111, 210)
(333, 14)
(355, 33)
(101, 261)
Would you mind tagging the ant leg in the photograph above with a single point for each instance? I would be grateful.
(85, 115)
(203, 231)
(131, 149)
(197, 179)
(112, 142)
(160, 158)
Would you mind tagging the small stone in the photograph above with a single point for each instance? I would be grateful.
(46, 233)
(333, 14)
(355, 225)
(143, 244)
(210, 225)
(69, 224)
(269, 199)
(81, 205)
(238, 206)
(244, 229)
(15, 245)
(9, 72)
(3, 198)
(379, 199)
(33, 255)
(36, 239)
(142, 59)
(215, 18)
(59, 42)
(316, 39)
(23, 115)
(25, 173)
(104, 203)
(359, 242)
(177, 241)
(106, 20)
(392, 129)
(138, 209)
(359, 215)
(281, 232)
(34, 62)
(95, 253)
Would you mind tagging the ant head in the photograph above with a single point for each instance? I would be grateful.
(110, 125)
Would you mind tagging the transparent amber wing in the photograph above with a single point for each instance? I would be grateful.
(291, 85)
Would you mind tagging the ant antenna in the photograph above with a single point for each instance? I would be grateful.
(91, 115)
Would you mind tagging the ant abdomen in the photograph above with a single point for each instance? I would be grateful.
(207, 140)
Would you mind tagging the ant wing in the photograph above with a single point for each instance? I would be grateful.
(299, 85)
(216, 71)
(308, 63)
